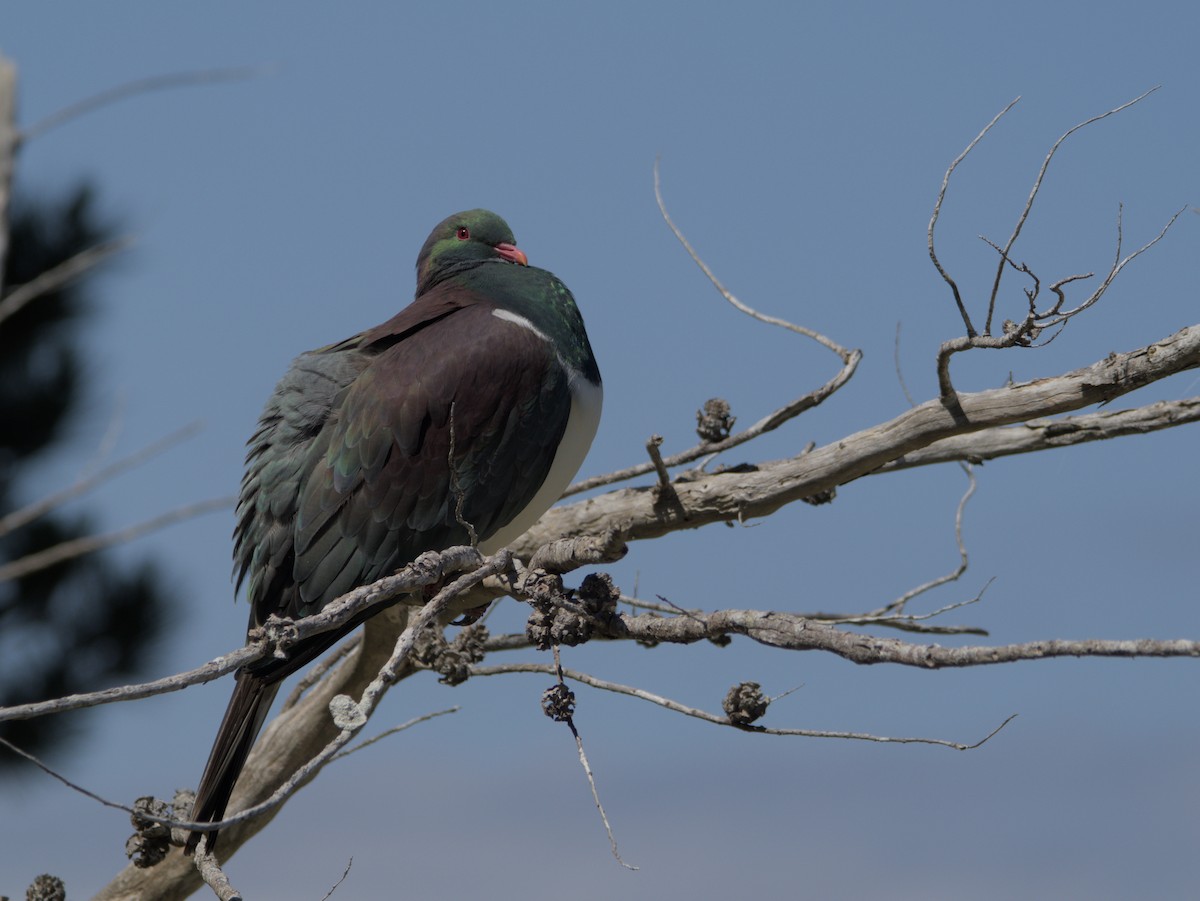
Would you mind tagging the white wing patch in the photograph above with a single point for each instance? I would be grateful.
(509, 316)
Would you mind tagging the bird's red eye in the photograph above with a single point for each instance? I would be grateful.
(463, 233)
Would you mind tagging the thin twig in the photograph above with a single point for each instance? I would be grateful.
(849, 357)
(141, 86)
(844, 353)
(1118, 265)
(63, 779)
(388, 733)
(899, 371)
(1033, 192)
(937, 212)
(214, 669)
(88, 544)
(569, 719)
(29, 513)
(57, 276)
(345, 873)
(676, 707)
(460, 497)
(913, 622)
(897, 606)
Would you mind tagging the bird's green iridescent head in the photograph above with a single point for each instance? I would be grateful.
(462, 239)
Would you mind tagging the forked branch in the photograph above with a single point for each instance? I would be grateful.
(1025, 332)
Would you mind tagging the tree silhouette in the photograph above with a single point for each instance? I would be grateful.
(88, 619)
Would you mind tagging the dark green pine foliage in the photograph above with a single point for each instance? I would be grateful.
(85, 623)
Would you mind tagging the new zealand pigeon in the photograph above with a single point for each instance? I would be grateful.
(349, 475)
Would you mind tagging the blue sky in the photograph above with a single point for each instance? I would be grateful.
(802, 146)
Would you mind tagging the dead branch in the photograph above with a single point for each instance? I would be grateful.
(558, 703)
(214, 669)
(112, 95)
(1033, 192)
(88, 544)
(795, 633)
(1043, 434)
(1026, 332)
(897, 606)
(850, 359)
(1021, 334)
(349, 715)
(734, 496)
(275, 637)
(697, 713)
(87, 482)
(64, 273)
(937, 212)
(394, 730)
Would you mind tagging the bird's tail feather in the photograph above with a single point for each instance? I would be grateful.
(248, 708)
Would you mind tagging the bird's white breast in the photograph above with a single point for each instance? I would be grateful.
(586, 402)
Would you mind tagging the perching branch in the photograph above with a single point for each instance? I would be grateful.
(350, 715)
(760, 490)
(276, 636)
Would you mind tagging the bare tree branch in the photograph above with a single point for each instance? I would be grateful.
(850, 360)
(57, 276)
(1033, 192)
(734, 496)
(1036, 435)
(559, 704)
(214, 669)
(791, 632)
(85, 483)
(1026, 332)
(351, 715)
(897, 606)
(68, 550)
(937, 212)
(676, 707)
(112, 95)
(388, 733)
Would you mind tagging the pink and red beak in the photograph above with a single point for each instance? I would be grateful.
(512, 254)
